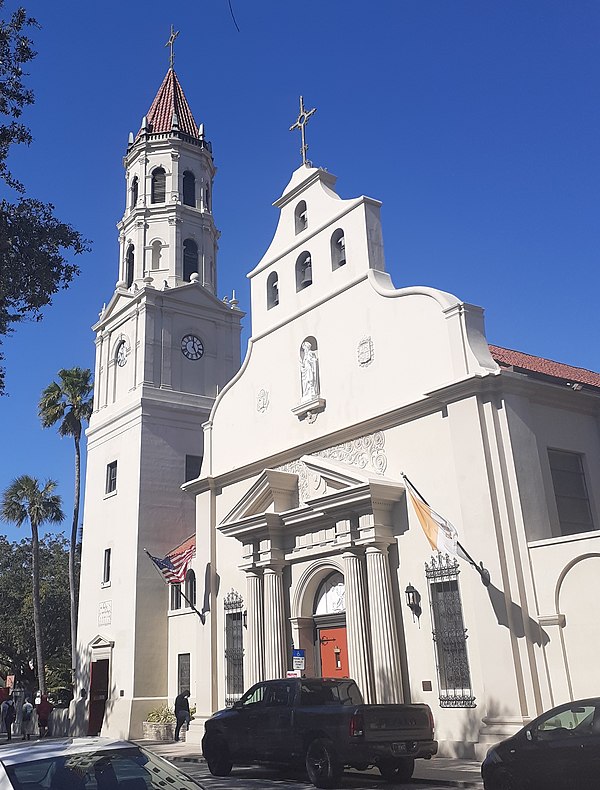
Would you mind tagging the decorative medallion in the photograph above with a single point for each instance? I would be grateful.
(364, 351)
(192, 347)
(262, 401)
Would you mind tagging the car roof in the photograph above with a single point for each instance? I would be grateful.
(28, 751)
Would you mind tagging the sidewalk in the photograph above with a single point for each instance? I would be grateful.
(453, 772)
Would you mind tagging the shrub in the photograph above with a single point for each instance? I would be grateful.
(161, 715)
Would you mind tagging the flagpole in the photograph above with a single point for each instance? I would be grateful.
(183, 595)
(483, 572)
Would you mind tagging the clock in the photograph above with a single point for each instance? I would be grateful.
(122, 354)
(192, 347)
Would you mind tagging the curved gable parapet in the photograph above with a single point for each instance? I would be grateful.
(470, 349)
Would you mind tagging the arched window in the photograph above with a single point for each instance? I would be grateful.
(330, 597)
(156, 254)
(272, 290)
(159, 186)
(129, 265)
(190, 587)
(190, 259)
(338, 249)
(303, 271)
(189, 189)
(301, 217)
(134, 191)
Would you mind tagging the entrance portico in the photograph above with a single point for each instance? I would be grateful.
(298, 529)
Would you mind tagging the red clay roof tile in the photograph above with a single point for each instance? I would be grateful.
(171, 99)
(187, 544)
(505, 357)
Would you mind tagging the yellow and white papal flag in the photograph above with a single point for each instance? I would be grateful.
(441, 534)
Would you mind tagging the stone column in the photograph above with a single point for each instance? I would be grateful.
(275, 652)
(384, 636)
(357, 624)
(255, 660)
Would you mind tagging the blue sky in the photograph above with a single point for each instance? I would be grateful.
(476, 122)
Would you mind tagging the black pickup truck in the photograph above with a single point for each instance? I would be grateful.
(322, 723)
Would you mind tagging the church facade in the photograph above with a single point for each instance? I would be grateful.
(288, 474)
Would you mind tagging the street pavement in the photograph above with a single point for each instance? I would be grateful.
(436, 774)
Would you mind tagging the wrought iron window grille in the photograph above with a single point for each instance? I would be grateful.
(449, 632)
(233, 605)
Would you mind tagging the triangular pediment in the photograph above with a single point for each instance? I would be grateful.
(292, 485)
(100, 641)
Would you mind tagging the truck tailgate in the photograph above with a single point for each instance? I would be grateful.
(384, 723)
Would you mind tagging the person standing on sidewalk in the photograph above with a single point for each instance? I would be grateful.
(8, 712)
(182, 711)
(27, 720)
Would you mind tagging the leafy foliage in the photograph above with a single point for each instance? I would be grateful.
(33, 242)
(161, 715)
(17, 639)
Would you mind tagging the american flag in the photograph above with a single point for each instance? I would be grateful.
(174, 566)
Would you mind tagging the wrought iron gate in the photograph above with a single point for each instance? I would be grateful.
(234, 647)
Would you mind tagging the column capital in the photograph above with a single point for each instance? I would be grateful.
(275, 567)
(378, 546)
(355, 551)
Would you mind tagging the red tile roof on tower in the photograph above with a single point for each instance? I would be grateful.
(171, 99)
(527, 363)
(188, 543)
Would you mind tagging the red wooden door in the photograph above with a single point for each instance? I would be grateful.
(334, 652)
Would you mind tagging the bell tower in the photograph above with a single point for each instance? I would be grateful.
(168, 232)
(165, 346)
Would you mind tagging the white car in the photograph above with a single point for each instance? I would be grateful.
(86, 764)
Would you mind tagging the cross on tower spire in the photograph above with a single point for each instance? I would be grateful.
(170, 43)
(301, 124)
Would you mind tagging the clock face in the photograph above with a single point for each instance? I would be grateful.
(192, 347)
(121, 354)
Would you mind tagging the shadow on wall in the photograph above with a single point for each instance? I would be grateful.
(464, 744)
(207, 591)
(511, 616)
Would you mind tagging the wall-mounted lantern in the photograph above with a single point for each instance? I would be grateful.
(413, 601)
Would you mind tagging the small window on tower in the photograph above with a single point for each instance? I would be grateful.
(175, 596)
(134, 191)
(190, 259)
(130, 265)
(301, 217)
(156, 254)
(272, 290)
(190, 588)
(106, 567)
(159, 185)
(207, 199)
(189, 189)
(111, 477)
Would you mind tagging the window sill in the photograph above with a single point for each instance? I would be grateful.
(179, 612)
(110, 494)
(104, 584)
(594, 533)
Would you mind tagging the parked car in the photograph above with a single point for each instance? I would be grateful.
(322, 723)
(81, 763)
(560, 750)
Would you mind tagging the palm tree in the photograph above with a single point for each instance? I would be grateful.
(70, 402)
(22, 500)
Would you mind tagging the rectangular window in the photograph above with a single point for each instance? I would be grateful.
(111, 477)
(449, 633)
(193, 464)
(183, 672)
(175, 596)
(106, 568)
(234, 647)
(570, 490)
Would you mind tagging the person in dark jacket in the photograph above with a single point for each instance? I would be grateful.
(182, 711)
(8, 713)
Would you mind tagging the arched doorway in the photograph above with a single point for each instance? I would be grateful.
(329, 615)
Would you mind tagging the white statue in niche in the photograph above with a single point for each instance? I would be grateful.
(309, 372)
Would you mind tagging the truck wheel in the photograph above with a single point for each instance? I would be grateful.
(322, 764)
(399, 770)
(216, 753)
